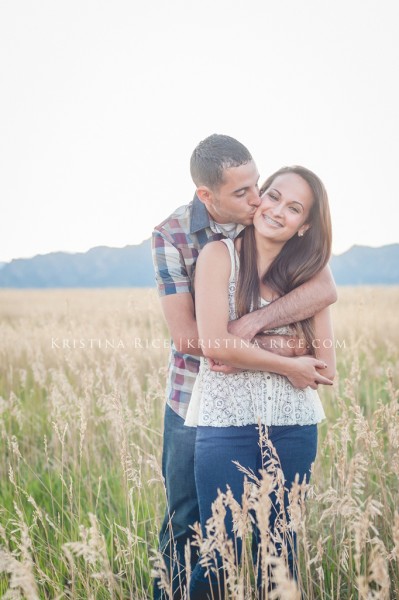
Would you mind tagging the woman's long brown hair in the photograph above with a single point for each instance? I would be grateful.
(299, 260)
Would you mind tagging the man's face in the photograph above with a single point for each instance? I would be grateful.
(237, 198)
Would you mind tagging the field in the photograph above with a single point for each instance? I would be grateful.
(81, 495)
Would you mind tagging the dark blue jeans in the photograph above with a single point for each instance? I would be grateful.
(216, 448)
(182, 504)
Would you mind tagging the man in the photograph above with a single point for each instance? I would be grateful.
(226, 199)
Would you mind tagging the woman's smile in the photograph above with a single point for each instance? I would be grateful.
(271, 221)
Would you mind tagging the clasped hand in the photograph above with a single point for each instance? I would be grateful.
(302, 372)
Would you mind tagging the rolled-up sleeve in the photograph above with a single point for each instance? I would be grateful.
(170, 270)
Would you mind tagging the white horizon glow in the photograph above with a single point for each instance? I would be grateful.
(102, 104)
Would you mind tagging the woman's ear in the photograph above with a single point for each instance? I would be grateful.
(303, 230)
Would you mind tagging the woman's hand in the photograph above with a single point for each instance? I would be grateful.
(304, 371)
(220, 367)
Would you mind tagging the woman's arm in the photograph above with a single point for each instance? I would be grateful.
(324, 341)
(212, 312)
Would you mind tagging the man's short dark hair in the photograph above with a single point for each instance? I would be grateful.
(214, 154)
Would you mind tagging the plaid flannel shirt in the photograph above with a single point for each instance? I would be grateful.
(176, 244)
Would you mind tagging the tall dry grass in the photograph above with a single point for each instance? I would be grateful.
(81, 496)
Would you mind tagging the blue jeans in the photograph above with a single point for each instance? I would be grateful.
(216, 448)
(182, 504)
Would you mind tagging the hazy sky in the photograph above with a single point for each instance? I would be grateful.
(102, 103)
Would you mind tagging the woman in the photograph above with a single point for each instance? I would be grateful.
(288, 243)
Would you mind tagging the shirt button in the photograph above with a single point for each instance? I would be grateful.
(268, 376)
(269, 397)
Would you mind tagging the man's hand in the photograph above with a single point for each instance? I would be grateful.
(242, 328)
(283, 345)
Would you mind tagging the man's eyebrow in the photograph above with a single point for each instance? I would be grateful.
(245, 187)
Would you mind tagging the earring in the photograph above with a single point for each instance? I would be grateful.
(300, 233)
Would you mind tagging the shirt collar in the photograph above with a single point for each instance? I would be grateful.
(200, 219)
(230, 232)
(199, 216)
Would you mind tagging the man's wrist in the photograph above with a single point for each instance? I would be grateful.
(243, 327)
(284, 345)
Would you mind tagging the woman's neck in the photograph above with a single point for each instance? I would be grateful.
(267, 251)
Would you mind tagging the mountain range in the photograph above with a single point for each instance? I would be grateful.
(131, 266)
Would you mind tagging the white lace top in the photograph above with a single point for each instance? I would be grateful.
(246, 397)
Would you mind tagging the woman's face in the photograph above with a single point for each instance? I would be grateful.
(285, 208)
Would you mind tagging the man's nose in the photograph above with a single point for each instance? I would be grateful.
(254, 198)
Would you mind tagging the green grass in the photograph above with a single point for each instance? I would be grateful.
(80, 436)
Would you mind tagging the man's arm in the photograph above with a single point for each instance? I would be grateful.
(212, 310)
(302, 303)
(178, 310)
(175, 287)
